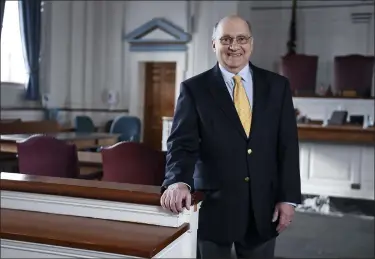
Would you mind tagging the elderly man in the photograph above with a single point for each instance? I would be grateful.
(234, 137)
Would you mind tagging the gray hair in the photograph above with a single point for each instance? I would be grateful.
(217, 24)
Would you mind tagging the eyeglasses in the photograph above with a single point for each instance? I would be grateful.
(240, 40)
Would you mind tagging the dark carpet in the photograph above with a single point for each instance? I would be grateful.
(314, 235)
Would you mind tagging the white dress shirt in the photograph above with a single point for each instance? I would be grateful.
(247, 81)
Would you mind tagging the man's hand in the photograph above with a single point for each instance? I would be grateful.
(285, 212)
(174, 197)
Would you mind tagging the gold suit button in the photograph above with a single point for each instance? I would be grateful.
(247, 179)
(249, 151)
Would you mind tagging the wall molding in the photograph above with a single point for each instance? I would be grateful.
(363, 17)
(67, 109)
(138, 43)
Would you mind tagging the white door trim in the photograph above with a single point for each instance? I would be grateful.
(137, 77)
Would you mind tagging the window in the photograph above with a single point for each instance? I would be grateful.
(13, 65)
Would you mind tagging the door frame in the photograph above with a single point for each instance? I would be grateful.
(138, 81)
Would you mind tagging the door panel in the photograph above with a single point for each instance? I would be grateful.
(159, 100)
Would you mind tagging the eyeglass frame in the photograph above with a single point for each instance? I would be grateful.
(232, 40)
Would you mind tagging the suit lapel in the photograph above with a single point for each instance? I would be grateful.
(222, 97)
(260, 93)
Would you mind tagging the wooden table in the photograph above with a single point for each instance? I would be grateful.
(49, 217)
(81, 140)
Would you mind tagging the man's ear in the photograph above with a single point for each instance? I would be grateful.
(213, 46)
(251, 46)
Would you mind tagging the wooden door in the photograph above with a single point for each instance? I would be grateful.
(159, 100)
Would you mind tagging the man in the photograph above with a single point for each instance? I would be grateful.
(234, 137)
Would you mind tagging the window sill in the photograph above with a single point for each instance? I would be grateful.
(13, 85)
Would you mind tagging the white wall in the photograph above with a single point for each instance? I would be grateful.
(322, 108)
(12, 95)
(84, 54)
(87, 53)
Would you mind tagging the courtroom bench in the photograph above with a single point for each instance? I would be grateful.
(141, 240)
(104, 217)
(337, 160)
(346, 134)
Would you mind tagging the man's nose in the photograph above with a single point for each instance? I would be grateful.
(234, 46)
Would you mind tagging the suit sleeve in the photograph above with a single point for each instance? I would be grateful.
(183, 141)
(288, 151)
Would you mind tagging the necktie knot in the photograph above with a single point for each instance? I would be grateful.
(237, 79)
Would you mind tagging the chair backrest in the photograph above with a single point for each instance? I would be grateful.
(301, 70)
(84, 124)
(129, 128)
(353, 72)
(47, 156)
(135, 163)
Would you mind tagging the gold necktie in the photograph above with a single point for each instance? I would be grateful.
(242, 104)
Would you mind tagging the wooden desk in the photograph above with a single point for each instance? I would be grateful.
(81, 140)
(339, 134)
(337, 160)
(29, 127)
(49, 217)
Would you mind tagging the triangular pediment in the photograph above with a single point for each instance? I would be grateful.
(158, 34)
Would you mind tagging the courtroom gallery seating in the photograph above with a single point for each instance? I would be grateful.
(48, 156)
(135, 163)
(353, 73)
(84, 124)
(301, 70)
(128, 126)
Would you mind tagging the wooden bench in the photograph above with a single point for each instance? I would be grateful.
(141, 240)
(49, 217)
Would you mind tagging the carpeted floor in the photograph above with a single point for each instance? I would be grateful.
(314, 235)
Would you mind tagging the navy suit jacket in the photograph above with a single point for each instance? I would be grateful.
(243, 177)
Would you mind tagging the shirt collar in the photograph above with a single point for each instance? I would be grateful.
(245, 73)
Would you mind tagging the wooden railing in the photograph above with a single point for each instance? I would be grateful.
(96, 232)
